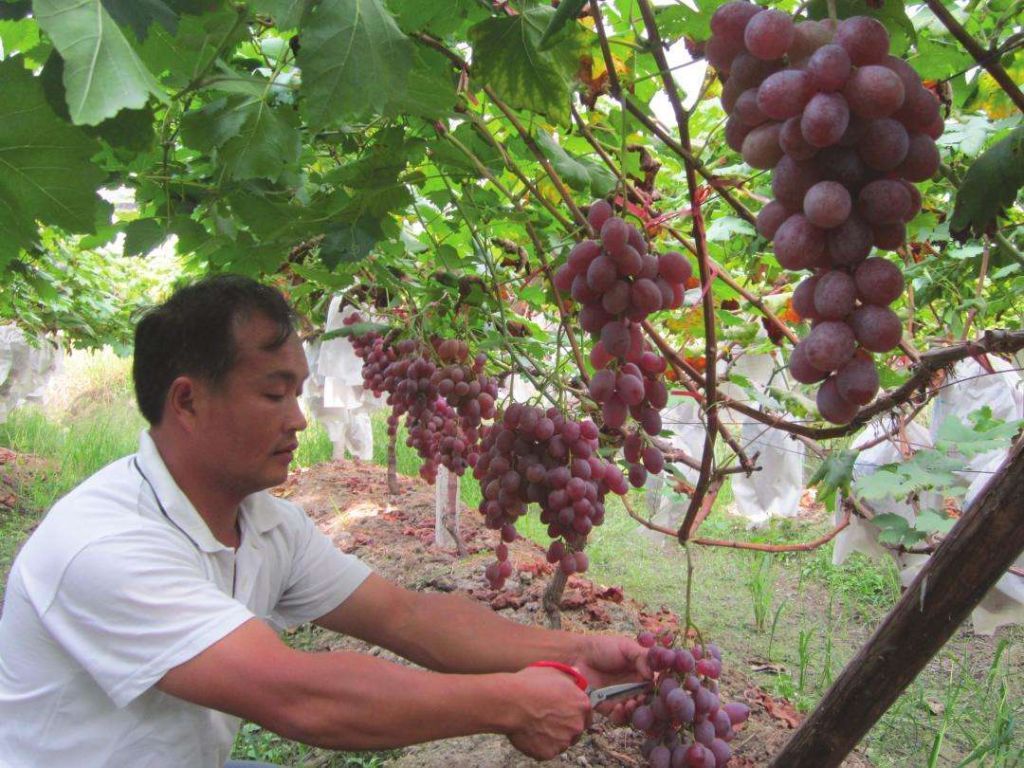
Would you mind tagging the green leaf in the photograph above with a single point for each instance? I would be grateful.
(355, 62)
(181, 58)
(835, 473)
(567, 11)
(140, 15)
(987, 434)
(440, 19)
(348, 242)
(893, 529)
(130, 128)
(990, 186)
(930, 521)
(142, 236)
(287, 14)
(18, 36)
(431, 88)
(45, 172)
(102, 74)
(507, 58)
(208, 128)
(267, 144)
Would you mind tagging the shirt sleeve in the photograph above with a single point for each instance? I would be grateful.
(131, 607)
(322, 577)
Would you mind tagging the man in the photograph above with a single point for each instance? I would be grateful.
(138, 624)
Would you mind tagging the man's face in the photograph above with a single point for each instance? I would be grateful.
(248, 426)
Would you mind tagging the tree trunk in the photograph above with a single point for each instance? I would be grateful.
(446, 522)
(393, 488)
(971, 559)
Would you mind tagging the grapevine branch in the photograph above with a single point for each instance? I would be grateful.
(749, 545)
(994, 341)
(988, 62)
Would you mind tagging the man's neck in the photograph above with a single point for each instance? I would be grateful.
(216, 505)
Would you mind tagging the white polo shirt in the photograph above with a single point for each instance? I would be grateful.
(122, 582)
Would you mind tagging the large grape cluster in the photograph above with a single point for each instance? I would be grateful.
(684, 719)
(534, 456)
(847, 129)
(618, 283)
(444, 399)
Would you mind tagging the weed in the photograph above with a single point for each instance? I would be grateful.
(761, 585)
(804, 657)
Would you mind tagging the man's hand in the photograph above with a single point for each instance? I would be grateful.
(608, 660)
(551, 712)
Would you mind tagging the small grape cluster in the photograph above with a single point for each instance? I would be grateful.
(444, 405)
(534, 456)
(685, 722)
(847, 129)
(619, 283)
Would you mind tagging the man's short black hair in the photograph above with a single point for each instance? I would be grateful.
(192, 334)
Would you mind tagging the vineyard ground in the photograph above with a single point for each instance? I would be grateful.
(815, 614)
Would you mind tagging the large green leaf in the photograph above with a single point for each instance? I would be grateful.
(349, 241)
(267, 144)
(438, 18)
(102, 74)
(141, 14)
(130, 129)
(45, 172)
(990, 185)
(431, 91)
(355, 62)
(580, 173)
(507, 57)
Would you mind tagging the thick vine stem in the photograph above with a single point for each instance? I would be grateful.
(980, 56)
(700, 240)
(553, 598)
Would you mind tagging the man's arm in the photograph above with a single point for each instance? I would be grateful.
(344, 700)
(452, 633)
(447, 632)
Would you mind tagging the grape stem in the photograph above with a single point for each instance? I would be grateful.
(979, 288)
(980, 56)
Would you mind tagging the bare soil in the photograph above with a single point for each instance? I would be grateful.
(348, 500)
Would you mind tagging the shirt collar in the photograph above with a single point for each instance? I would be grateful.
(254, 509)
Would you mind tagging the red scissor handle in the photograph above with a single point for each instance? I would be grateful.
(579, 679)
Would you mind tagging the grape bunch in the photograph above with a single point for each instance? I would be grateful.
(444, 405)
(619, 283)
(847, 130)
(532, 456)
(685, 722)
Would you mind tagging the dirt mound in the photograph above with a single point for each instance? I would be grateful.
(16, 469)
(349, 502)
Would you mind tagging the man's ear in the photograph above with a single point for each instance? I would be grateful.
(182, 399)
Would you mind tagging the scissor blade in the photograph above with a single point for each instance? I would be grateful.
(613, 692)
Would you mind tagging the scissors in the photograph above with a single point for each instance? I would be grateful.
(597, 695)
